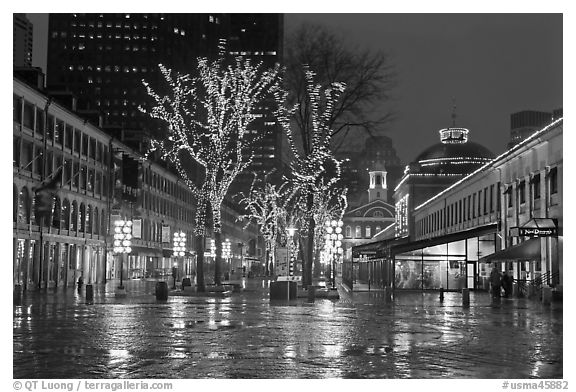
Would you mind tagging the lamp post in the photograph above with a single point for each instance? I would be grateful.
(226, 253)
(291, 231)
(333, 246)
(241, 247)
(178, 250)
(122, 245)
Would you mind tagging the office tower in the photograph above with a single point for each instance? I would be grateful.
(22, 41)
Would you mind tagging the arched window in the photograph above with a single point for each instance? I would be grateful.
(82, 220)
(348, 232)
(378, 213)
(96, 221)
(65, 219)
(74, 217)
(358, 232)
(56, 213)
(368, 231)
(15, 204)
(23, 206)
(103, 222)
(89, 219)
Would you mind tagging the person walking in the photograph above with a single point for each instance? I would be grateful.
(506, 284)
(495, 282)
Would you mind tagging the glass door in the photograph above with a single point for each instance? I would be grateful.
(471, 275)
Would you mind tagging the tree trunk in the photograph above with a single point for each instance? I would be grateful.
(302, 256)
(307, 277)
(317, 267)
(200, 285)
(218, 261)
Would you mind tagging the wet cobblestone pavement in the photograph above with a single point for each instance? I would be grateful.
(59, 335)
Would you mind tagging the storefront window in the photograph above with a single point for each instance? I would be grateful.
(408, 273)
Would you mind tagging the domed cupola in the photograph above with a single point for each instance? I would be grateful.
(455, 154)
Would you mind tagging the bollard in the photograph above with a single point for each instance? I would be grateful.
(89, 292)
(441, 294)
(546, 295)
(465, 297)
(387, 294)
(311, 293)
(161, 291)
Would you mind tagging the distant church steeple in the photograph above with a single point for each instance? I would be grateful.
(378, 189)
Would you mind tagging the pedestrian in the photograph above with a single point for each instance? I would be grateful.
(506, 284)
(495, 281)
(80, 282)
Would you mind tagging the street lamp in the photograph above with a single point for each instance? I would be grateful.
(333, 245)
(227, 253)
(291, 256)
(178, 250)
(122, 244)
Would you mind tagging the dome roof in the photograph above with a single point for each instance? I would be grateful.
(441, 150)
(454, 154)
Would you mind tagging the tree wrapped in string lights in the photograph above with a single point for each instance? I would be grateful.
(315, 170)
(267, 207)
(208, 117)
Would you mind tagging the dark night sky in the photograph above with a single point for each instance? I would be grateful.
(492, 64)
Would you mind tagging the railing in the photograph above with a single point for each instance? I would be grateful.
(535, 285)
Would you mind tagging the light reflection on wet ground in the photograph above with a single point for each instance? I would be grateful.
(246, 336)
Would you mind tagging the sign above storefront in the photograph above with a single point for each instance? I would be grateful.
(536, 227)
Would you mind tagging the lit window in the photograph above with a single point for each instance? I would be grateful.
(368, 231)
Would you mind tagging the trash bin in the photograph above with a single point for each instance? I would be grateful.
(89, 292)
(162, 291)
(186, 282)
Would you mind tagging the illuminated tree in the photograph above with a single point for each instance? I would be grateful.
(314, 169)
(208, 117)
(369, 76)
(267, 207)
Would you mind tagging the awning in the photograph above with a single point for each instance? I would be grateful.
(490, 228)
(525, 251)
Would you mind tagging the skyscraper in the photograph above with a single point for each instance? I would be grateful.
(525, 123)
(22, 41)
(103, 58)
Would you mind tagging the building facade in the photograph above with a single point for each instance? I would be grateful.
(433, 170)
(363, 220)
(488, 218)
